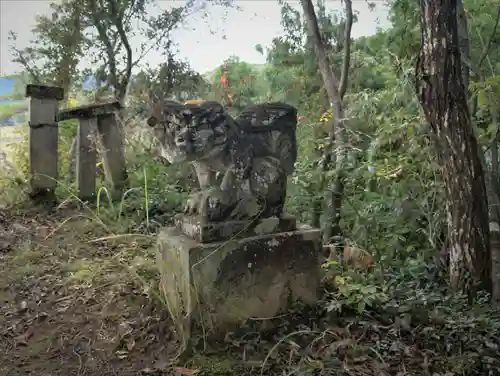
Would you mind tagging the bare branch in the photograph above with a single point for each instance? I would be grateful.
(148, 50)
(331, 81)
(26, 65)
(171, 19)
(344, 78)
(118, 21)
(103, 36)
(488, 45)
(337, 134)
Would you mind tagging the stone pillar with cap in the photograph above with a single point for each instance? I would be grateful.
(43, 139)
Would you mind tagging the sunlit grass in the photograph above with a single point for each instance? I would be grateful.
(9, 136)
(9, 132)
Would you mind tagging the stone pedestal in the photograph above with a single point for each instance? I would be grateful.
(194, 228)
(223, 284)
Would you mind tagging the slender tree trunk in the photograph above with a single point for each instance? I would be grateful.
(444, 101)
(463, 43)
(490, 174)
(494, 210)
(335, 89)
(494, 226)
(492, 184)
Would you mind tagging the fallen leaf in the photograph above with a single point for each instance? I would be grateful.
(22, 339)
(130, 345)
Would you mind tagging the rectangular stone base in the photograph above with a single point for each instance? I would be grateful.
(221, 285)
(219, 231)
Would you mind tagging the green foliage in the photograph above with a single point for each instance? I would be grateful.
(393, 194)
(101, 32)
(352, 292)
(393, 189)
(174, 80)
(20, 151)
(243, 83)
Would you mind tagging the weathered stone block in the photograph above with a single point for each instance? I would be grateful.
(44, 92)
(193, 227)
(89, 111)
(221, 285)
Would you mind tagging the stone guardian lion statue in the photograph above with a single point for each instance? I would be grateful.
(242, 164)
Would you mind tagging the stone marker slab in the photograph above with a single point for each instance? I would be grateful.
(221, 285)
(209, 232)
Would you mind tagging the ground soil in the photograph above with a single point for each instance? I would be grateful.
(71, 305)
(77, 299)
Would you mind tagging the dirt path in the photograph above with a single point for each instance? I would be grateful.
(74, 305)
(69, 307)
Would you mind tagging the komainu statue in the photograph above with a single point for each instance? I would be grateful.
(242, 164)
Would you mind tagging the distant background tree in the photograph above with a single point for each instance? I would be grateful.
(100, 32)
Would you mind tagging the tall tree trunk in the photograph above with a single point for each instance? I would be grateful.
(492, 180)
(490, 174)
(494, 208)
(335, 89)
(443, 99)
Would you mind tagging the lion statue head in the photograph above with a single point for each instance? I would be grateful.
(190, 132)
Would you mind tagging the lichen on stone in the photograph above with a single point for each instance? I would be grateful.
(242, 164)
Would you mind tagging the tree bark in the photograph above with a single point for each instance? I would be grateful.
(443, 99)
(463, 43)
(335, 89)
(493, 188)
(494, 222)
(491, 174)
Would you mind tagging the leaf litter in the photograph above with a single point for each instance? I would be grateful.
(70, 307)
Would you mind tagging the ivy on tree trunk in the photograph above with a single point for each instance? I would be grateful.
(442, 95)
